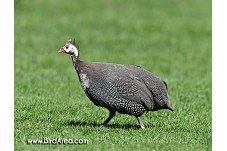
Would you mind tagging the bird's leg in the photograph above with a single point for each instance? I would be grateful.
(111, 115)
(140, 122)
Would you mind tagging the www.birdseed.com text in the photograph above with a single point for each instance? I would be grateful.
(55, 141)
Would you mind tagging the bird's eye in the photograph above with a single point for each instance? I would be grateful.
(67, 47)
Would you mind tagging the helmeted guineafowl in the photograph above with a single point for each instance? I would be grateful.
(127, 89)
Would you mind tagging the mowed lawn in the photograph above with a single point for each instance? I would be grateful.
(172, 39)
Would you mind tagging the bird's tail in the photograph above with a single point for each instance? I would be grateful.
(169, 107)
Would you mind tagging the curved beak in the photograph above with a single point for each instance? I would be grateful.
(61, 50)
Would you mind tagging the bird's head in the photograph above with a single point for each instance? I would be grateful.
(69, 48)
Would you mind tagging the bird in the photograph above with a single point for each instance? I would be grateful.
(122, 88)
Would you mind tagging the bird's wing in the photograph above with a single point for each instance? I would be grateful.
(132, 88)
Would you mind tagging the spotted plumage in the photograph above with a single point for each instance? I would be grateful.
(127, 89)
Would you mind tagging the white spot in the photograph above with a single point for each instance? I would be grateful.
(75, 51)
(84, 80)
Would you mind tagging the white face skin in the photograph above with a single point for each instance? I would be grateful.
(70, 49)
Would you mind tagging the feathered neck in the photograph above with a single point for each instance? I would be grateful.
(75, 59)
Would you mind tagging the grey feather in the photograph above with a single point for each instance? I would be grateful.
(124, 88)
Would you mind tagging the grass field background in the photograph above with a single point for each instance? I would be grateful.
(171, 38)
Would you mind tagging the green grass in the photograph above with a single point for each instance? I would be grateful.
(171, 38)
